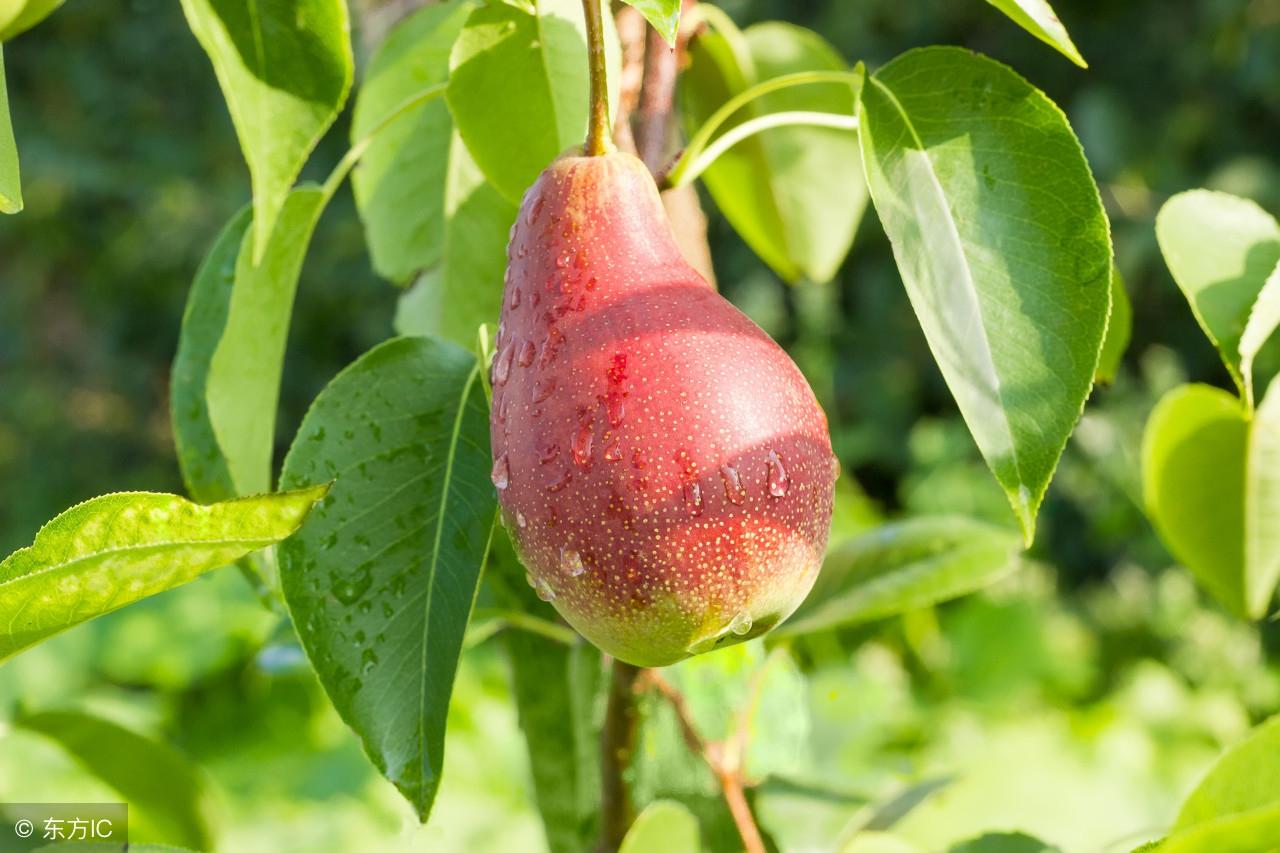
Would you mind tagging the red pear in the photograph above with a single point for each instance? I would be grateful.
(663, 468)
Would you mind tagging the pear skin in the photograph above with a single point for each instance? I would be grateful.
(663, 468)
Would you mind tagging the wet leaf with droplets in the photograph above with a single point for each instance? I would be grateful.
(111, 551)
(413, 507)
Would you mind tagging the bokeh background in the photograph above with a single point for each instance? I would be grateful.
(1079, 699)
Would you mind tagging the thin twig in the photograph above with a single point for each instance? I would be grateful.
(599, 139)
(724, 759)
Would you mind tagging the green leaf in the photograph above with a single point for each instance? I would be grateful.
(1037, 17)
(665, 826)
(381, 583)
(1001, 240)
(164, 790)
(1119, 330)
(1220, 250)
(1264, 319)
(795, 194)
(518, 88)
(1245, 778)
(399, 184)
(113, 550)
(204, 467)
(1262, 505)
(904, 566)
(18, 16)
(452, 300)
(664, 15)
(243, 386)
(10, 183)
(285, 68)
(556, 689)
(1193, 469)
(1247, 832)
(1003, 842)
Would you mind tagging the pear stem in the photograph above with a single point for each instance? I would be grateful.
(598, 141)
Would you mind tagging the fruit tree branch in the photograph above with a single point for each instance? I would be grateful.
(617, 743)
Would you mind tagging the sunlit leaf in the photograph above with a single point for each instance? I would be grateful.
(18, 16)
(243, 387)
(1193, 468)
(381, 583)
(1245, 778)
(452, 300)
(111, 551)
(204, 467)
(1037, 17)
(1264, 319)
(164, 790)
(795, 194)
(1262, 505)
(10, 183)
(904, 566)
(1001, 240)
(399, 184)
(664, 15)
(285, 67)
(1220, 250)
(665, 826)
(518, 88)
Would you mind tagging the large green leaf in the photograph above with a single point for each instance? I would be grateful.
(452, 300)
(1001, 240)
(164, 790)
(1220, 250)
(1193, 469)
(518, 87)
(556, 687)
(796, 194)
(665, 826)
(1262, 505)
(381, 583)
(10, 183)
(285, 67)
(1264, 319)
(111, 551)
(1245, 778)
(399, 184)
(904, 566)
(1037, 17)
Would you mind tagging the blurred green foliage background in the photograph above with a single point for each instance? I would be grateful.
(1078, 700)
